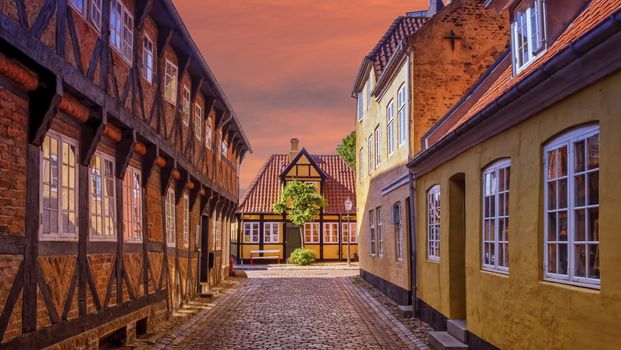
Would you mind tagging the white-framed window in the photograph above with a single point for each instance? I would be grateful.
(185, 106)
(311, 232)
(78, 5)
(147, 58)
(369, 93)
(396, 221)
(217, 241)
(495, 250)
(169, 208)
(330, 232)
(225, 148)
(349, 232)
(528, 33)
(571, 218)
(132, 206)
(121, 29)
(198, 121)
(372, 232)
(94, 13)
(370, 145)
(361, 164)
(390, 127)
(251, 232)
(271, 232)
(360, 106)
(170, 82)
(103, 193)
(380, 232)
(208, 134)
(402, 118)
(59, 179)
(378, 157)
(186, 220)
(433, 223)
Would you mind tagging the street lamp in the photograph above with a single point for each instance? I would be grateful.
(348, 206)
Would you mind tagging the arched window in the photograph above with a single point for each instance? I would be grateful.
(495, 252)
(433, 223)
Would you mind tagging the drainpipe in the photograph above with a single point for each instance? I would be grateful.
(412, 241)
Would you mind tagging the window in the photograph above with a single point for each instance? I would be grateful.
(380, 233)
(186, 220)
(198, 121)
(368, 93)
(353, 238)
(78, 5)
(147, 58)
(271, 232)
(217, 241)
(169, 206)
(496, 216)
(59, 178)
(571, 196)
(208, 134)
(311, 232)
(103, 204)
(330, 232)
(390, 127)
(251, 232)
(95, 13)
(360, 102)
(170, 83)
(433, 223)
(396, 221)
(377, 147)
(121, 29)
(185, 111)
(528, 31)
(132, 206)
(370, 154)
(225, 148)
(403, 127)
(372, 232)
(361, 164)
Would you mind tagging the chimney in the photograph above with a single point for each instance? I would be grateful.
(294, 148)
(434, 7)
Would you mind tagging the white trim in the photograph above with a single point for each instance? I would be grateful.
(330, 232)
(390, 127)
(496, 194)
(186, 106)
(353, 235)
(402, 110)
(372, 237)
(378, 154)
(170, 93)
(124, 35)
(131, 222)
(111, 218)
(145, 65)
(83, 10)
(274, 231)
(433, 223)
(379, 231)
(170, 221)
(532, 56)
(314, 233)
(99, 8)
(251, 230)
(186, 220)
(198, 121)
(395, 214)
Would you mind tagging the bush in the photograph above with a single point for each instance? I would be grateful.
(302, 257)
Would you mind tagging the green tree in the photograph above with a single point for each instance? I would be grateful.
(301, 202)
(347, 149)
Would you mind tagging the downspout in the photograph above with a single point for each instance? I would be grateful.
(412, 237)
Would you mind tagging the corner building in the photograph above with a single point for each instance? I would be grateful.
(119, 171)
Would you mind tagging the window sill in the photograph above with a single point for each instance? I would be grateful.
(496, 273)
(433, 260)
(571, 285)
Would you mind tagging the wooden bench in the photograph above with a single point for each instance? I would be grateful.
(253, 252)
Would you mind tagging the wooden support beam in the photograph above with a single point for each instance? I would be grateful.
(197, 84)
(83, 232)
(219, 116)
(119, 240)
(94, 60)
(143, 8)
(61, 28)
(43, 107)
(70, 292)
(148, 162)
(21, 13)
(124, 152)
(163, 39)
(166, 176)
(90, 135)
(180, 185)
(47, 297)
(11, 300)
(194, 193)
(75, 42)
(43, 19)
(184, 64)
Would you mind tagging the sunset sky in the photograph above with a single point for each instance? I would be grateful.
(287, 66)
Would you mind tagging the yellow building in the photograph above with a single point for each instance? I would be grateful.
(516, 190)
(260, 229)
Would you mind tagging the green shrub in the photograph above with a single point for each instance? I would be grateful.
(302, 257)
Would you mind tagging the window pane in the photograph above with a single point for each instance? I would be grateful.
(580, 260)
(593, 188)
(593, 151)
(579, 156)
(562, 226)
(580, 224)
(593, 261)
(562, 161)
(579, 190)
(593, 228)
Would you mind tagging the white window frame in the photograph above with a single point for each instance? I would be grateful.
(433, 223)
(132, 206)
(330, 232)
(198, 121)
(568, 141)
(122, 32)
(217, 240)
(251, 232)
(378, 153)
(69, 208)
(225, 148)
(208, 134)
(314, 233)
(396, 221)
(185, 106)
(524, 12)
(402, 116)
(371, 159)
(380, 231)
(95, 13)
(372, 246)
(493, 194)
(186, 220)
(77, 6)
(360, 107)
(271, 232)
(361, 164)
(147, 59)
(171, 74)
(390, 127)
(353, 236)
(169, 212)
(108, 217)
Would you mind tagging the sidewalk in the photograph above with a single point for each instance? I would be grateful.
(316, 266)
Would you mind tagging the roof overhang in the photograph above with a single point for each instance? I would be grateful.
(392, 69)
(361, 77)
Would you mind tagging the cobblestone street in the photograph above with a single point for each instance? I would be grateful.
(295, 308)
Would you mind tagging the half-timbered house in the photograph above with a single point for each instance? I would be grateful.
(119, 155)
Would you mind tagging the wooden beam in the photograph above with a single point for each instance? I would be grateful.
(90, 135)
(119, 240)
(94, 60)
(43, 19)
(11, 299)
(21, 13)
(43, 107)
(47, 297)
(75, 43)
(143, 8)
(124, 152)
(163, 39)
(194, 193)
(61, 28)
(70, 292)
(166, 175)
(148, 162)
(11, 245)
(197, 84)
(83, 232)
(180, 185)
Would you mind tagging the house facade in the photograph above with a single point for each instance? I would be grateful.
(422, 65)
(119, 158)
(516, 194)
(260, 229)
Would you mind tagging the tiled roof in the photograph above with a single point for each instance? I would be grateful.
(266, 186)
(400, 29)
(596, 12)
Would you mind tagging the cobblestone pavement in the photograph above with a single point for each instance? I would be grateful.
(295, 309)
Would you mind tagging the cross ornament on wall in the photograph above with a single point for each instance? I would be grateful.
(452, 37)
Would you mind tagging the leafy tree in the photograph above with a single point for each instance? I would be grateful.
(301, 202)
(347, 149)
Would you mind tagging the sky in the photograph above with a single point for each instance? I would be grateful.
(288, 66)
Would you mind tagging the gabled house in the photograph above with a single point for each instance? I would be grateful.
(517, 201)
(260, 229)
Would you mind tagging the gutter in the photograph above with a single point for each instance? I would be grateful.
(411, 211)
(567, 56)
